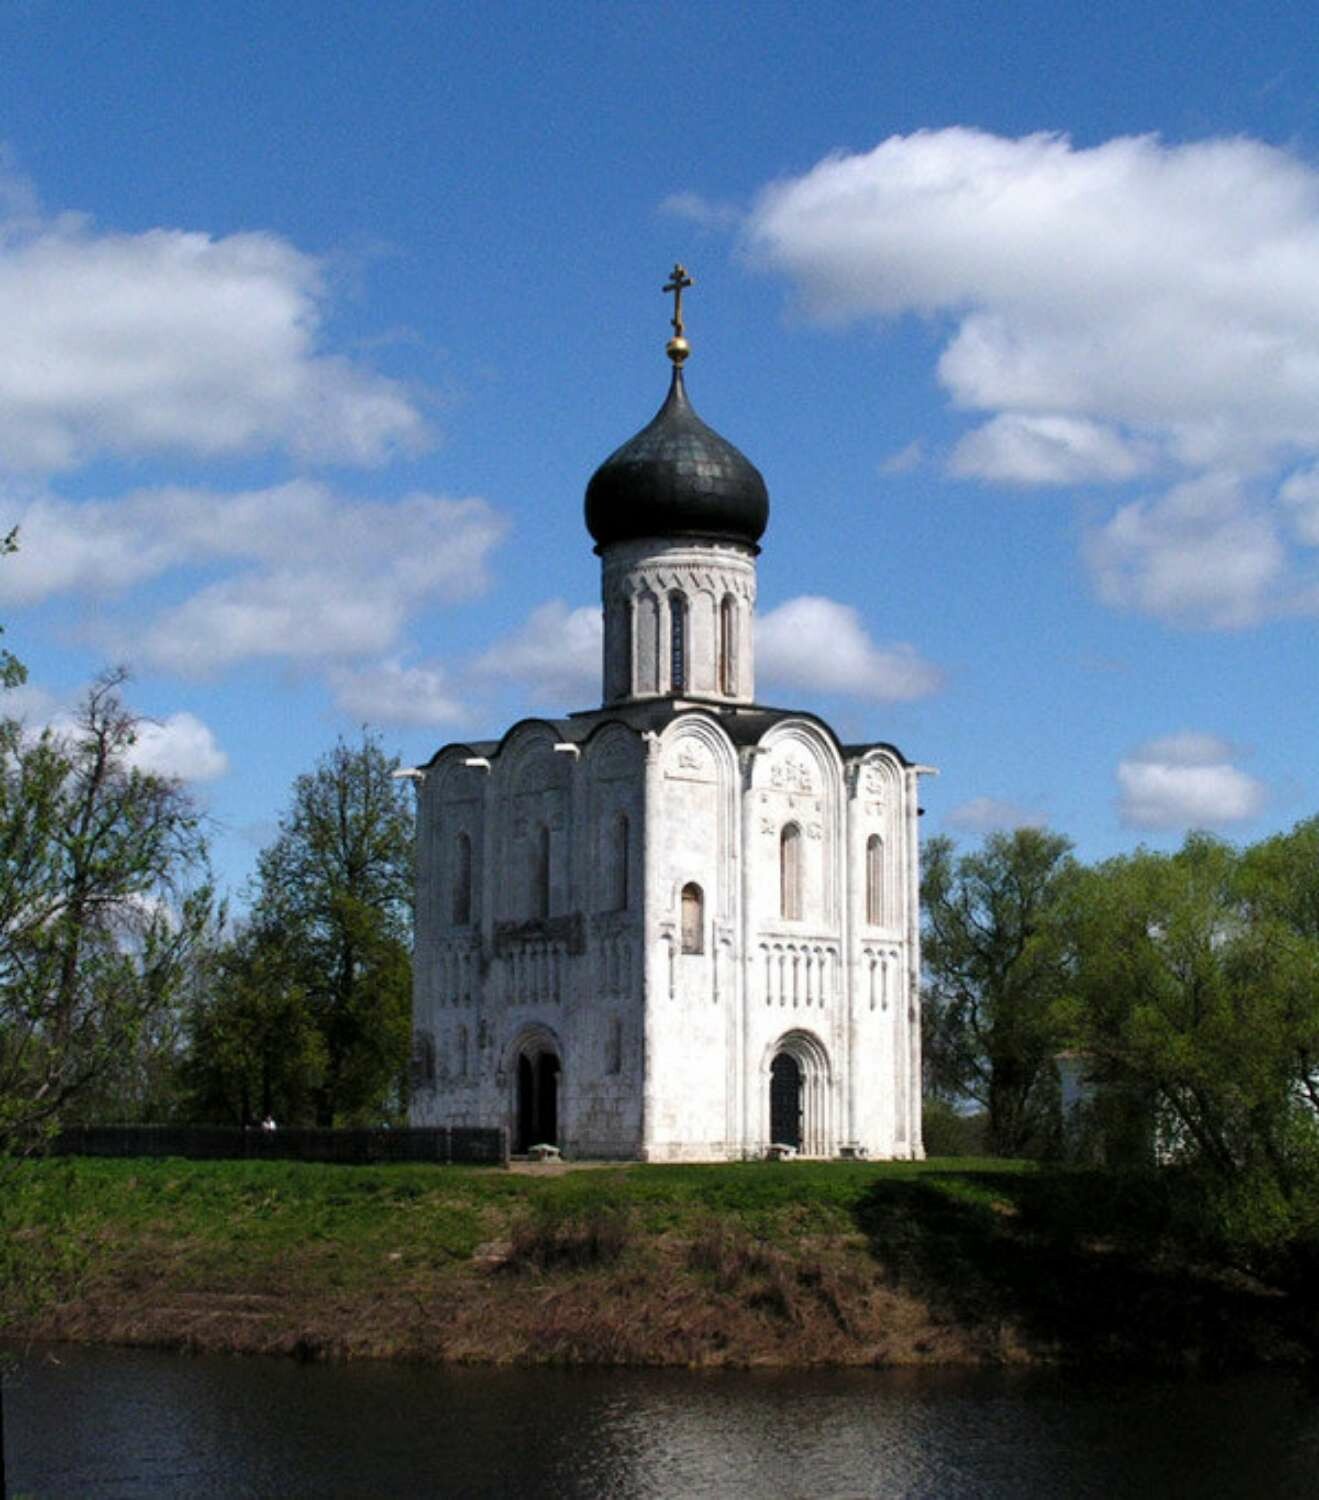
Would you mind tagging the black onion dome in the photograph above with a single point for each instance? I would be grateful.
(676, 478)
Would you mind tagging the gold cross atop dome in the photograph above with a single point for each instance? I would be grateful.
(677, 348)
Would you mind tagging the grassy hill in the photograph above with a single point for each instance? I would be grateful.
(754, 1263)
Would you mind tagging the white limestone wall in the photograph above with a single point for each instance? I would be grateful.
(607, 1012)
(884, 956)
(446, 960)
(639, 583)
(666, 1054)
(562, 973)
(693, 997)
(797, 991)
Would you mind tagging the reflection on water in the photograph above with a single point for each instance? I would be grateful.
(129, 1423)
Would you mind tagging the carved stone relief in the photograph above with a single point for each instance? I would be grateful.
(689, 761)
(791, 773)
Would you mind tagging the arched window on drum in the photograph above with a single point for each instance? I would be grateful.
(677, 643)
(728, 646)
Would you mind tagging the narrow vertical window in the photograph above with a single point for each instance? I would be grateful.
(790, 873)
(614, 1051)
(629, 678)
(677, 643)
(540, 873)
(693, 919)
(619, 857)
(728, 646)
(649, 657)
(462, 1052)
(462, 880)
(874, 880)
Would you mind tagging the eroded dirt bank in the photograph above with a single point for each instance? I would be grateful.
(734, 1266)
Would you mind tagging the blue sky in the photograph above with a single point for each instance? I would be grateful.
(318, 317)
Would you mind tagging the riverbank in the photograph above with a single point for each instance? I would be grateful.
(802, 1263)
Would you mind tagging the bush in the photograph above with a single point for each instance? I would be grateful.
(551, 1238)
(949, 1132)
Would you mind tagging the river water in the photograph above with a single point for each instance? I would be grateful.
(107, 1422)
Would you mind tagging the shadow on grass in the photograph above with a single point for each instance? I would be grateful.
(1078, 1265)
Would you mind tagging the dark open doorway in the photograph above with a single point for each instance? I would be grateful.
(785, 1101)
(538, 1101)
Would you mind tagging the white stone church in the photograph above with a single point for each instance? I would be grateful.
(682, 926)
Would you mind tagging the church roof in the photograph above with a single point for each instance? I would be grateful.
(677, 478)
(744, 724)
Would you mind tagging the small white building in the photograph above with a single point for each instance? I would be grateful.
(682, 926)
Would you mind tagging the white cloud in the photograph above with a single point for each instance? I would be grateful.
(557, 654)
(817, 644)
(1131, 282)
(180, 746)
(1131, 307)
(390, 693)
(1186, 780)
(1197, 555)
(988, 814)
(711, 213)
(905, 460)
(1300, 497)
(30, 703)
(317, 614)
(1188, 747)
(172, 340)
(1034, 449)
(308, 574)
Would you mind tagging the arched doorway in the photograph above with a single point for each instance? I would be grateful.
(799, 1093)
(785, 1101)
(538, 1100)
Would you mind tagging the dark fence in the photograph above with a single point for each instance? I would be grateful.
(440, 1143)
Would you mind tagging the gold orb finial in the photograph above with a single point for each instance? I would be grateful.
(677, 347)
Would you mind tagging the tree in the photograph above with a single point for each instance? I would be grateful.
(336, 888)
(1198, 981)
(254, 1049)
(996, 964)
(104, 897)
(1280, 885)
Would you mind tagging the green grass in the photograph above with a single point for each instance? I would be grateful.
(1073, 1260)
(252, 1224)
(235, 1215)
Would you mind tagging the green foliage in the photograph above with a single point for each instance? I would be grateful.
(334, 890)
(996, 965)
(104, 902)
(1198, 981)
(254, 1049)
(948, 1131)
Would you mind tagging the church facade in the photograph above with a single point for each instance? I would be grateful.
(682, 926)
